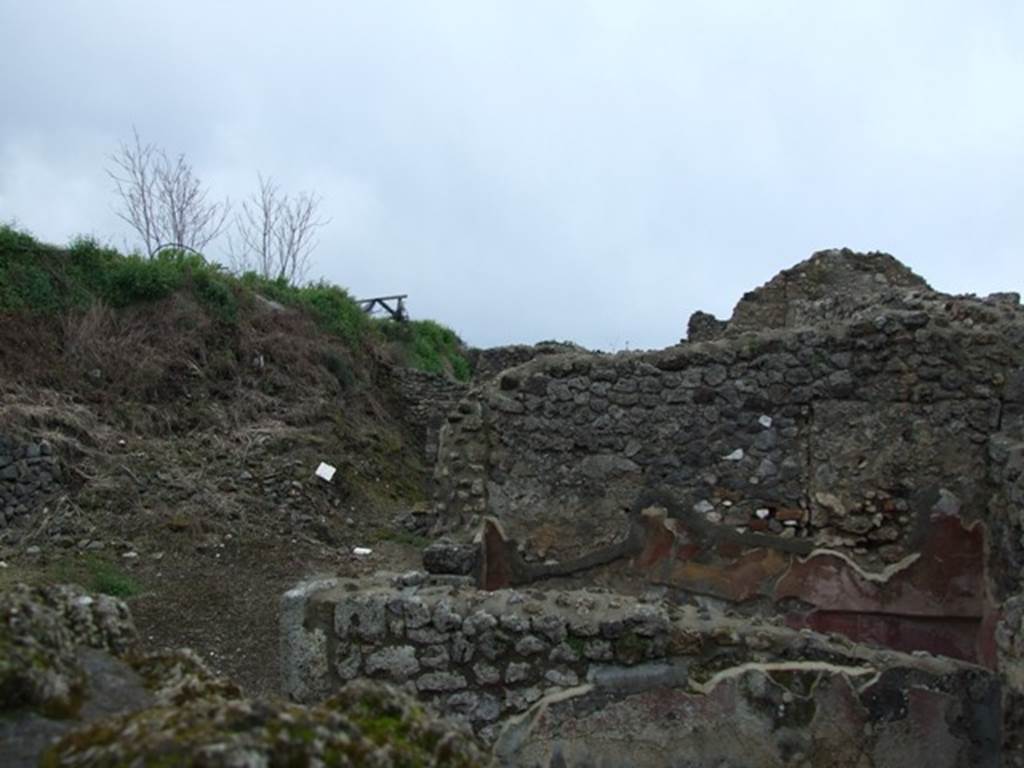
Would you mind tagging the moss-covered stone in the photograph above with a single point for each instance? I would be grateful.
(179, 677)
(40, 629)
(365, 724)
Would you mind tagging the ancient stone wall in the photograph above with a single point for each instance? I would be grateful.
(483, 655)
(589, 662)
(834, 476)
(845, 454)
(848, 437)
(428, 397)
(29, 472)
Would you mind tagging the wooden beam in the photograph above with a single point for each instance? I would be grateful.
(396, 312)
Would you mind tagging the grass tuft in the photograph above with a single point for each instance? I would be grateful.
(94, 573)
(108, 579)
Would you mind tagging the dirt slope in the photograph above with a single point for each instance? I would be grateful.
(188, 447)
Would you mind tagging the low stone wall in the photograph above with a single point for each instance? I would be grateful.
(78, 690)
(29, 472)
(482, 655)
(553, 675)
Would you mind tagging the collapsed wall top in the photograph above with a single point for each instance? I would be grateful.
(837, 285)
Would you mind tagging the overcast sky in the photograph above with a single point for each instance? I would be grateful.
(593, 171)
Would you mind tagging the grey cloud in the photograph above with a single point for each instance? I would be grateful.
(587, 170)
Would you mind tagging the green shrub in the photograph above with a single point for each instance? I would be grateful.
(39, 278)
(25, 282)
(331, 306)
(134, 279)
(334, 310)
(13, 240)
(428, 346)
(213, 287)
(87, 267)
(279, 290)
(460, 367)
(28, 286)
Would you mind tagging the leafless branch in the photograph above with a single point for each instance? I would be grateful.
(255, 225)
(164, 201)
(276, 234)
(135, 178)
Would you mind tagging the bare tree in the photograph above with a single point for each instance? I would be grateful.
(163, 201)
(134, 174)
(185, 216)
(255, 226)
(276, 234)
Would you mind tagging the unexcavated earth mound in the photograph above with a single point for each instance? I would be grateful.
(796, 538)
